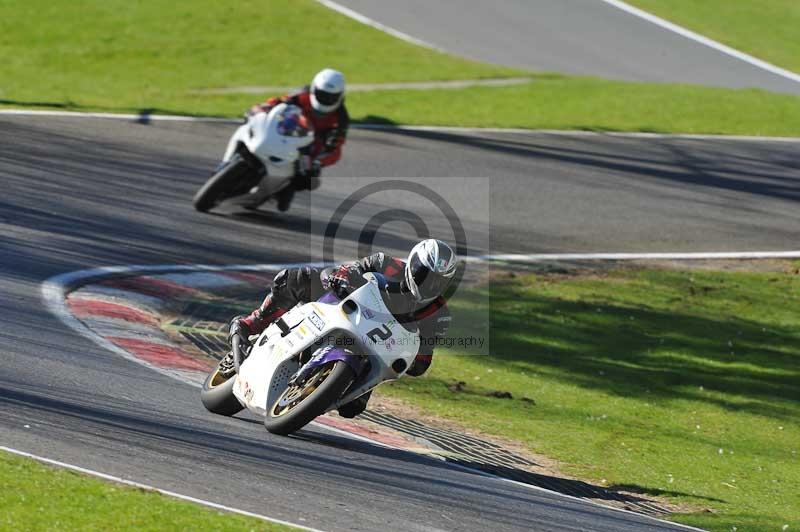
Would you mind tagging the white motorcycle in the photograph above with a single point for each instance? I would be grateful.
(315, 358)
(261, 159)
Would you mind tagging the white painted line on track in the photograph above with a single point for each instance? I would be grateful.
(572, 497)
(689, 34)
(54, 296)
(544, 257)
(355, 15)
(147, 487)
(54, 290)
(684, 32)
(142, 117)
(386, 127)
(449, 84)
(570, 133)
(486, 474)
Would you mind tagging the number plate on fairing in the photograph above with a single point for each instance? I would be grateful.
(316, 321)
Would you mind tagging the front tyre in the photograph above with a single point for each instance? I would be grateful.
(299, 405)
(223, 184)
(217, 394)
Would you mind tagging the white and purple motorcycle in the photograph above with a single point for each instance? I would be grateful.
(262, 158)
(315, 358)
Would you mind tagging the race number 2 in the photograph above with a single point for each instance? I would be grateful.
(383, 333)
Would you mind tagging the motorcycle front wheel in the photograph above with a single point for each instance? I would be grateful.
(224, 184)
(217, 394)
(300, 404)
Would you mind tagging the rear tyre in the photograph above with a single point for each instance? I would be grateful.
(223, 184)
(299, 405)
(217, 394)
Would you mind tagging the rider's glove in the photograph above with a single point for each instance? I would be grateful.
(344, 279)
(332, 139)
(339, 282)
(308, 166)
(257, 108)
(315, 169)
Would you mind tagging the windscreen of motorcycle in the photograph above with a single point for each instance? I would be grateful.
(292, 123)
(268, 142)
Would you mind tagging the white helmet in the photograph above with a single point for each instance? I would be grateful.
(430, 267)
(327, 90)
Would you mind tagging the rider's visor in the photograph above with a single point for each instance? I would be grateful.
(327, 98)
(430, 284)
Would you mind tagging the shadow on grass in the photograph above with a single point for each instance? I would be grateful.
(634, 488)
(637, 351)
(576, 488)
(464, 452)
(376, 120)
(68, 105)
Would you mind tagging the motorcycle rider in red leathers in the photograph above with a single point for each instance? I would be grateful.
(424, 276)
(322, 104)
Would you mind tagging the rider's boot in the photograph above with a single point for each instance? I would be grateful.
(252, 324)
(284, 197)
(355, 407)
(306, 182)
(260, 318)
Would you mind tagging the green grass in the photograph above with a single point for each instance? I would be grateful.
(767, 29)
(679, 384)
(593, 104)
(38, 497)
(132, 56)
(119, 54)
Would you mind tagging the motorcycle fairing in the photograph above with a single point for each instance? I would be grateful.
(265, 374)
(260, 136)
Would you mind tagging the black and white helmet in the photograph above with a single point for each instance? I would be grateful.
(430, 267)
(327, 90)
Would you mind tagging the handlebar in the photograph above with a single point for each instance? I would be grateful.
(386, 285)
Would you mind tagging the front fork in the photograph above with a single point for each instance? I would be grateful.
(326, 354)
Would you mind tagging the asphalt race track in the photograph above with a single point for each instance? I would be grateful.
(580, 37)
(80, 193)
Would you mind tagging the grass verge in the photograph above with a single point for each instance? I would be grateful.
(678, 384)
(158, 57)
(152, 54)
(39, 497)
(591, 104)
(766, 29)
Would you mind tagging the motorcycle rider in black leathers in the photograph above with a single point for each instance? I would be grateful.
(423, 277)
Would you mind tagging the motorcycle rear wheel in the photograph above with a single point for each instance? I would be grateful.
(299, 405)
(222, 184)
(217, 394)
